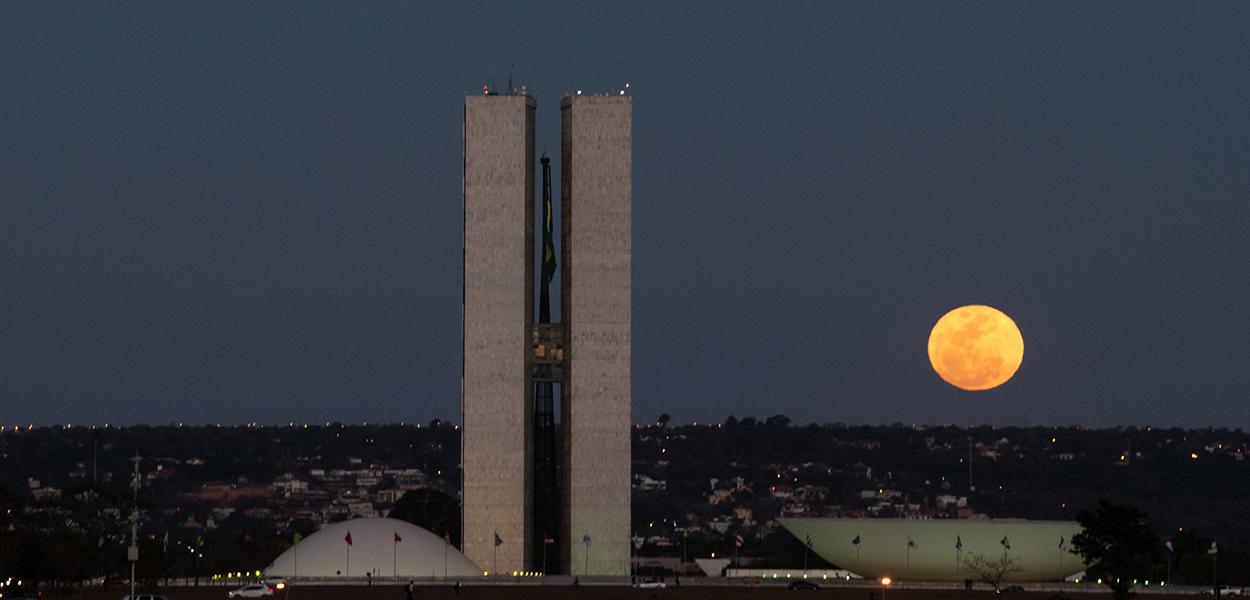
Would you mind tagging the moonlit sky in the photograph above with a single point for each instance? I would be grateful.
(224, 212)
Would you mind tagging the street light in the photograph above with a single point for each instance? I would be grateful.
(885, 584)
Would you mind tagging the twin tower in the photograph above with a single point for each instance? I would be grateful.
(546, 484)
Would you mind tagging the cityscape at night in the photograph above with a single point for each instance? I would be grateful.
(921, 301)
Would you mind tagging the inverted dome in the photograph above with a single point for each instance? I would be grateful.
(929, 549)
(326, 553)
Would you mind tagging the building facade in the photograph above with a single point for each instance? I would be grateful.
(595, 201)
(511, 361)
(497, 315)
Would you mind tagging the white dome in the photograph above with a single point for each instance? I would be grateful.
(326, 553)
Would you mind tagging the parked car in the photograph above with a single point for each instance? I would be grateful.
(653, 583)
(1224, 591)
(803, 585)
(252, 590)
(18, 593)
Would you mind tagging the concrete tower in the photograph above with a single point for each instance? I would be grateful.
(595, 201)
(498, 315)
(511, 363)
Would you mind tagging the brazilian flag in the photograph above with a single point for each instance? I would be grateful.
(549, 244)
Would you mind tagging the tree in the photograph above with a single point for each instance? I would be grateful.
(991, 571)
(433, 510)
(1191, 563)
(1117, 544)
(663, 420)
(778, 421)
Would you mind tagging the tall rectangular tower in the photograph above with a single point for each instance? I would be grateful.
(496, 394)
(595, 148)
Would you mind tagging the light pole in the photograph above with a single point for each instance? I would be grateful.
(132, 552)
(885, 584)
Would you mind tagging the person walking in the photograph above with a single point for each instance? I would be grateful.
(408, 589)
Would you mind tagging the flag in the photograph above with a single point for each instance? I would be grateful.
(549, 244)
(1063, 544)
(165, 544)
(959, 542)
(910, 543)
(447, 538)
(348, 538)
(855, 542)
(199, 541)
(1213, 549)
(586, 538)
(498, 540)
(808, 540)
(295, 539)
(1006, 544)
(397, 538)
(548, 539)
(1168, 546)
(738, 541)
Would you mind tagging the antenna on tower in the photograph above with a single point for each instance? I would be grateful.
(510, 89)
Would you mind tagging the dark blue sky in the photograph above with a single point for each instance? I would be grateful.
(251, 211)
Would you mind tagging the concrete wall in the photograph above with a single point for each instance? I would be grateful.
(596, 194)
(497, 314)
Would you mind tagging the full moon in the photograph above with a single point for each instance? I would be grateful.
(976, 347)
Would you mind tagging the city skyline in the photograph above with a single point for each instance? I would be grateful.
(218, 215)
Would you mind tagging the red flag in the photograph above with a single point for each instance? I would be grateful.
(397, 538)
(348, 538)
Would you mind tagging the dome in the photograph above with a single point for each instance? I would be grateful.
(930, 549)
(418, 553)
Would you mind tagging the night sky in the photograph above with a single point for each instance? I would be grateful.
(225, 212)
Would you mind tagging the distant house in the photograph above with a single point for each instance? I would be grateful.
(647, 484)
(218, 492)
(288, 485)
(718, 496)
(45, 494)
(781, 491)
(744, 515)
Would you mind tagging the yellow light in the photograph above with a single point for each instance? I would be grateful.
(1193, 456)
(485, 573)
(281, 586)
(886, 581)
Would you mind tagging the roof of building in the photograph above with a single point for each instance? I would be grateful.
(931, 549)
(373, 549)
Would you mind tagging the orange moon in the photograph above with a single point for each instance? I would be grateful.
(976, 347)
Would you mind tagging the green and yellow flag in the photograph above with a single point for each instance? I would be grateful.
(549, 244)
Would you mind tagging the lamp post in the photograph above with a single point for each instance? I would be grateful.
(885, 584)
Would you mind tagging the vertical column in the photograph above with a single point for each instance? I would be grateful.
(496, 393)
(596, 140)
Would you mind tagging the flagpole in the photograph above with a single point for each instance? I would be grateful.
(1215, 569)
(395, 560)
